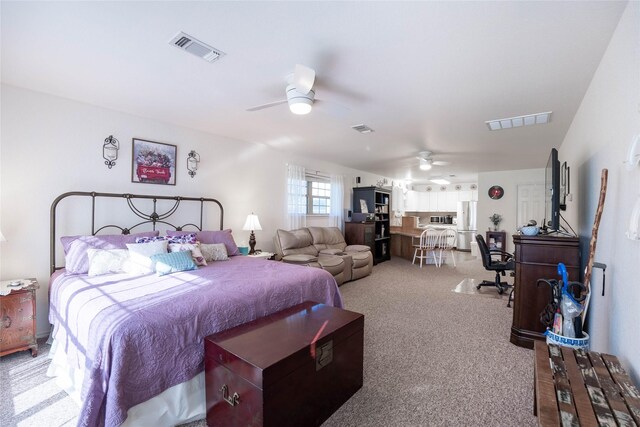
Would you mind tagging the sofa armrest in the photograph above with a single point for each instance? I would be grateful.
(299, 259)
(357, 248)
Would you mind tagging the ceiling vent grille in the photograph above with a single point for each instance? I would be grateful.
(190, 44)
(362, 128)
(514, 122)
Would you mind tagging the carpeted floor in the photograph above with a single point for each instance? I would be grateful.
(433, 357)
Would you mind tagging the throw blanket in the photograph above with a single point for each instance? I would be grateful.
(137, 336)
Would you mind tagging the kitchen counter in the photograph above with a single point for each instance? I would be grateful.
(403, 239)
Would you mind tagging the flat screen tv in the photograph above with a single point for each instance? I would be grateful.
(552, 193)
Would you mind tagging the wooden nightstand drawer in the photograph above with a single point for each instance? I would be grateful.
(18, 320)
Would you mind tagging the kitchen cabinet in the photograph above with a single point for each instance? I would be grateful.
(464, 195)
(452, 201)
(437, 200)
(411, 201)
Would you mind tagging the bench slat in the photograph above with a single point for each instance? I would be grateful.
(546, 401)
(611, 392)
(568, 414)
(580, 395)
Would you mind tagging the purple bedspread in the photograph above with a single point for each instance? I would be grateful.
(138, 336)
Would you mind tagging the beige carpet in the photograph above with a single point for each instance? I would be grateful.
(433, 357)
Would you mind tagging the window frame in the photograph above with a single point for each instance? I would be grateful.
(310, 196)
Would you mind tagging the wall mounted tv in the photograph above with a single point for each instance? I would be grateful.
(552, 193)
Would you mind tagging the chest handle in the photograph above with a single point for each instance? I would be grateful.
(233, 400)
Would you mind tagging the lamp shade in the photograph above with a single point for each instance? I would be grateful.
(252, 223)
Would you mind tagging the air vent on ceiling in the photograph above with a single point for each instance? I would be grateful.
(514, 122)
(362, 128)
(196, 47)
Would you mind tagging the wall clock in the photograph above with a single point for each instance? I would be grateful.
(496, 192)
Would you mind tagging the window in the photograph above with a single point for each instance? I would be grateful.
(318, 196)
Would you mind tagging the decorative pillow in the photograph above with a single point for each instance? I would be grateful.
(196, 254)
(214, 251)
(105, 261)
(75, 247)
(183, 238)
(140, 254)
(172, 262)
(209, 237)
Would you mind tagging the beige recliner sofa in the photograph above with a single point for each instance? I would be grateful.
(324, 247)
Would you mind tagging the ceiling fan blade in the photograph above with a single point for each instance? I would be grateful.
(438, 163)
(303, 78)
(333, 108)
(270, 104)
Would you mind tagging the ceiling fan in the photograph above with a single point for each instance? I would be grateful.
(300, 92)
(427, 162)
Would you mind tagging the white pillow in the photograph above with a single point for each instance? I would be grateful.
(196, 254)
(139, 261)
(105, 261)
(214, 251)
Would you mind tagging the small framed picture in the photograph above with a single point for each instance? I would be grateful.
(153, 162)
(363, 206)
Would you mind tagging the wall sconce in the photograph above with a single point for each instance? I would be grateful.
(193, 159)
(110, 151)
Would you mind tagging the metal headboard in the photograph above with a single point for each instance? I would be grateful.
(152, 218)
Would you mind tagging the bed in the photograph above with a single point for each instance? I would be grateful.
(129, 348)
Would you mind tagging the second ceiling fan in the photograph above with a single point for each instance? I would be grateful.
(427, 162)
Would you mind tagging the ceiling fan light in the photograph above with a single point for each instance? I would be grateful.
(299, 103)
(425, 165)
(300, 106)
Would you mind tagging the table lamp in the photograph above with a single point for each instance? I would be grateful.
(252, 224)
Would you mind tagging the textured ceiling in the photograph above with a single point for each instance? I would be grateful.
(423, 75)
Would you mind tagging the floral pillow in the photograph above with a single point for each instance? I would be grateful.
(214, 251)
(182, 238)
(222, 236)
(196, 254)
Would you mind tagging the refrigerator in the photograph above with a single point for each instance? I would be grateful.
(466, 219)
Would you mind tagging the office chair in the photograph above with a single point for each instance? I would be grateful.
(499, 266)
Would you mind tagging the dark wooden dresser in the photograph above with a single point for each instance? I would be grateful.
(18, 320)
(537, 257)
(292, 368)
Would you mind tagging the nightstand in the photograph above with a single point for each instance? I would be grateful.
(18, 316)
(265, 255)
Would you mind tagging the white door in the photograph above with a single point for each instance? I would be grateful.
(530, 204)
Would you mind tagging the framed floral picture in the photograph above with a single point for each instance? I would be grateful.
(153, 162)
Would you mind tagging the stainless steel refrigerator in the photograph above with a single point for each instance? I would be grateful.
(466, 220)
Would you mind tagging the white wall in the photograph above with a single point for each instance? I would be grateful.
(52, 145)
(599, 137)
(508, 204)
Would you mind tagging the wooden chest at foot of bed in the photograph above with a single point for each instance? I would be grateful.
(292, 368)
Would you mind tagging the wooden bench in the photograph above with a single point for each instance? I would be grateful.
(579, 388)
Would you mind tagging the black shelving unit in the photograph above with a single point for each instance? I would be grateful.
(378, 202)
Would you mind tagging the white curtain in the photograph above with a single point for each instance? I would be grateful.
(296, 197)
(336, 215)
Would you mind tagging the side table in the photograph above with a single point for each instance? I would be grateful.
(264, 255)
(18, 316)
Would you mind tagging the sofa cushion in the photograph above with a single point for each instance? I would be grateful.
(357, 248)
(361, 259)
(331, 252)
(327, 238)
(300, 258)
(295, 242)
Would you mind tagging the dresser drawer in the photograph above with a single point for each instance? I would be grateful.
(17, 322)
